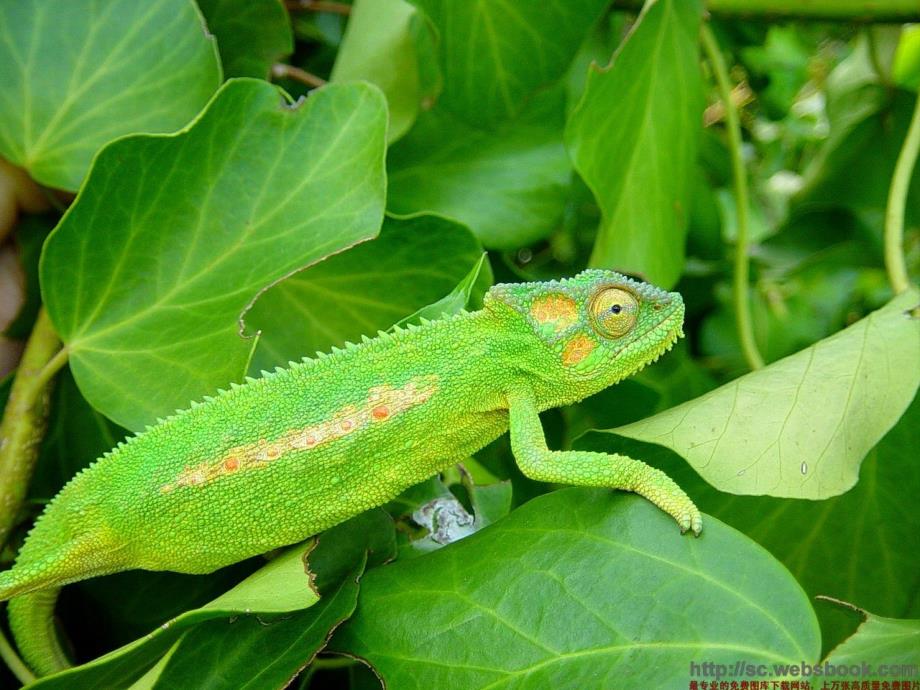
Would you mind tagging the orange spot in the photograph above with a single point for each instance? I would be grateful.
(577, 349)
(559, 310)
(382, 402)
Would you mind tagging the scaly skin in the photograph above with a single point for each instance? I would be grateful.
(283, 457)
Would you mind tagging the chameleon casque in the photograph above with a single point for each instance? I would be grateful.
(273, 461)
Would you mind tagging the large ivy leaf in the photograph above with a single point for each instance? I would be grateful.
(251, 34)
(379, 46)
(291, 584)
(78, 74)
(281, 586)
(801, 426)
(366, 289)
(495, 54)
(633, 138)
(890, 641)
(173, 236)
(578, 588)
(828, 545)
(251, 653)
(509, 186)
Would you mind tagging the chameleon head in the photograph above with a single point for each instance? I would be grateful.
(599, 326)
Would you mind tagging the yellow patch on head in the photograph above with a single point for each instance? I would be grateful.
(577, 349)
(558, 310)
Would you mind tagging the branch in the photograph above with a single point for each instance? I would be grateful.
(281, 71)
(739, 178)
(318, 6)
(895, 263)
(829, 10)
(24, 419)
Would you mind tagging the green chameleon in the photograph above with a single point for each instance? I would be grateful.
(283, 457)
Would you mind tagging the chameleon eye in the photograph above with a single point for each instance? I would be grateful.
(614, 312)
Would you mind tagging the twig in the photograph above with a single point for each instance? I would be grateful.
(318, 6)
(25, 416)
(895, 263)
(281, 71)
(739, 178)
(849, 11)
(741, 96)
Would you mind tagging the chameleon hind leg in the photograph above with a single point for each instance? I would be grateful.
(585, 468)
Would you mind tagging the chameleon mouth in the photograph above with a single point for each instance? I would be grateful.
(674, 323)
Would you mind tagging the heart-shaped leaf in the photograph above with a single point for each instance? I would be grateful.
(494, 55)
(173, 236)
(78, 74)
(579, 588)
(368, 288)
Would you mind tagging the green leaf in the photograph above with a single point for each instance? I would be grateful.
(366, 289)
(253, 653)
(829, 546)
(508, 186)
(800, 427)
(905, 71)
(633, 138)
(290, 583)
(281, 586)
(578, 588)
(494, 55)
(270, 653)
(379, 47)
(104, 613)
(887, 640)
(173, 236)
(78, 74)
(251, 34)
(467, 291)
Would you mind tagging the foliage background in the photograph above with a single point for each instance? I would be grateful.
(551, 137)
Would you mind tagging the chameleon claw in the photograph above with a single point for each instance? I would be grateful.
(691, 520)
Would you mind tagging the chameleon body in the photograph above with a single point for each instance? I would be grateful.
(273, 461)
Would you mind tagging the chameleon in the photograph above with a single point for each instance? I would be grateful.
(274, 460)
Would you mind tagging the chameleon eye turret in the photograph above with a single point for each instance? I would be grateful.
(614, 312)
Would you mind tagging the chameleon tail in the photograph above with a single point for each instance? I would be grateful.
(60, 549)
(32, 623)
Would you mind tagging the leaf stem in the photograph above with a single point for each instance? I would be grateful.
(318, 6)
(23, 423)
(895, 263)
(740, 184)
(13, 662)
(280, 71)
(895, 11)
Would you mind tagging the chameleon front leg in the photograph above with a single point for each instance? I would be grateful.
(585, 468)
